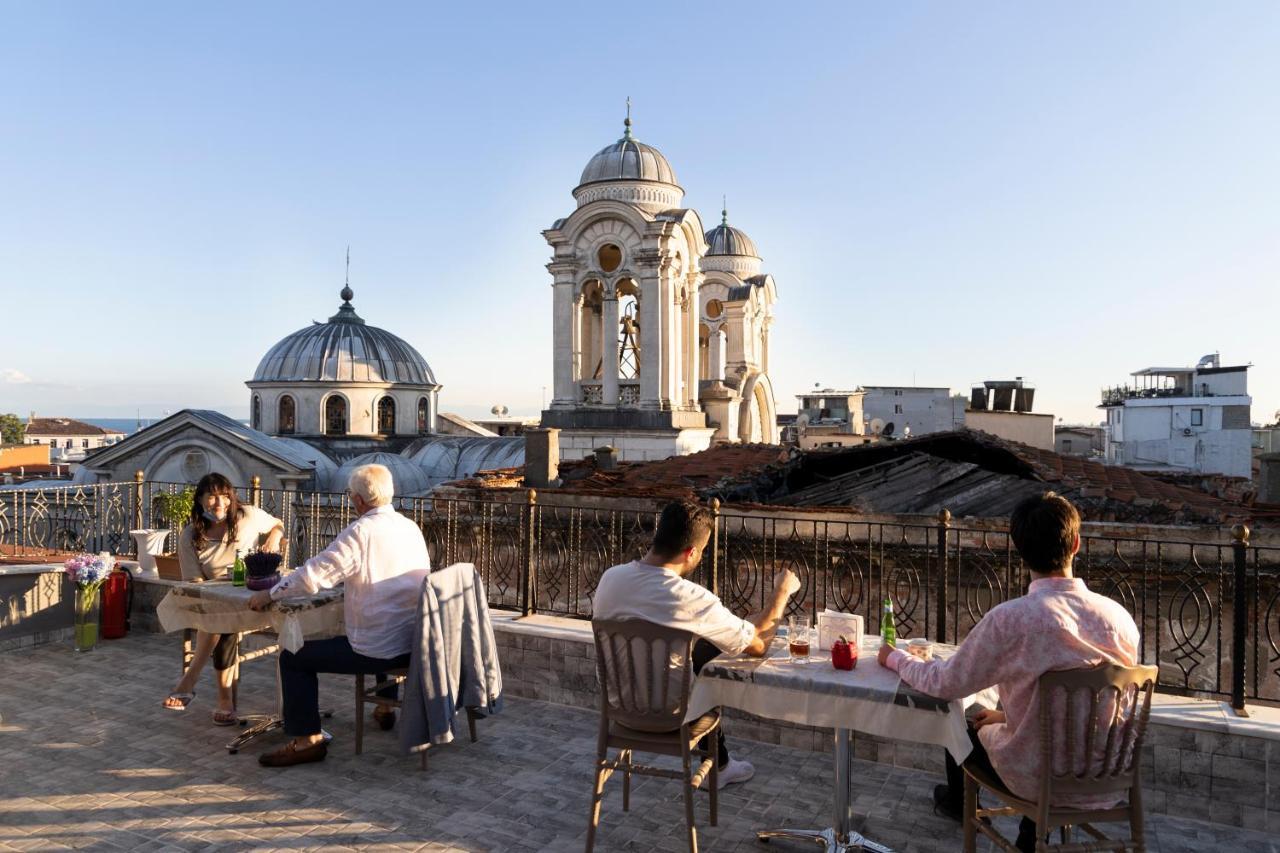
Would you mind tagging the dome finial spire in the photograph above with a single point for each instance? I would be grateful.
(626, 124)
(724, 210)
(347, 292)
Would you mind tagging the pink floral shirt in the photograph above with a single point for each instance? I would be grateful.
(1059, 624)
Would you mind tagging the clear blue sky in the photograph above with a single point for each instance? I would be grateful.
(944, 192)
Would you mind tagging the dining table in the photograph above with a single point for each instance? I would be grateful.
(869, 699)
(220, 607)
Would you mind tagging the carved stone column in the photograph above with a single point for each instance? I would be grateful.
(564, 395)
(609, 320)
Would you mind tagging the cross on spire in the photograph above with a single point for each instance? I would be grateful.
(626, 124)
(724, 210)
(347, 292)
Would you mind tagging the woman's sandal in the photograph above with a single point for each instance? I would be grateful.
(225, 718)
(184, 698)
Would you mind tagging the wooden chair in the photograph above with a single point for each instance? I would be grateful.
(369, 696)
(1108, 761)
(645, 672)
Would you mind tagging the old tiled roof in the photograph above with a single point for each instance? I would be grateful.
(975, 474)
(969, 473)
(676, 476)
(65, 426)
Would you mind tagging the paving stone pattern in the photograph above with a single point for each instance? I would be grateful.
(89, 760)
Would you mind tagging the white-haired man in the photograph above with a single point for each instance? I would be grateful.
(381, 558)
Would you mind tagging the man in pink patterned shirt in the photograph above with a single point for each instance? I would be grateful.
(1059, 624)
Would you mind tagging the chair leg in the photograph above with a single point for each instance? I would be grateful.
(471, 723)
(688, 795)
(424, 759)
(1137, 826)
(597, 797)
(625, 756)
(713, 780)
(969, 817)
(359, 713)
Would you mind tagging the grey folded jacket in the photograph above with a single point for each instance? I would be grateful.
(454, 658)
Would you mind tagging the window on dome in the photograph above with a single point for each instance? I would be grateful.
(255, 417)
(610, 257)
(335, 416)
(386, 416)
(286, 416)
(424, 416)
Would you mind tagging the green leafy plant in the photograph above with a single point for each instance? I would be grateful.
(175, 508)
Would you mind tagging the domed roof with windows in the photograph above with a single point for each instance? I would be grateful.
(408, 478)
(628, 160)
(724, 239)
(345, 349)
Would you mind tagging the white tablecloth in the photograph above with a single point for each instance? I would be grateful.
(869, 698)
(218, 607)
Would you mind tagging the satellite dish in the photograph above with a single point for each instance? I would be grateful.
(877, 426)
(888, 428)
(500, 411)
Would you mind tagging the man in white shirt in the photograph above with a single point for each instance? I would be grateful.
(381, 558)
(655, 589)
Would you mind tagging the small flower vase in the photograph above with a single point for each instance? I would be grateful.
(86, 626)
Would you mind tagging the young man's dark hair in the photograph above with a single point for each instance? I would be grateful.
(682, 525)
(1044, 530)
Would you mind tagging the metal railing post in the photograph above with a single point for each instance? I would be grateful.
(528, 602)
(137, 504)
(713, 582)
(255, 491)
(1239, 617)
(940, 591)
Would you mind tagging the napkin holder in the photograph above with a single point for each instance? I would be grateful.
(833, 625)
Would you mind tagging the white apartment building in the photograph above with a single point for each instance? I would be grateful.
(1192, 419)
(912, 410)
(70, 440)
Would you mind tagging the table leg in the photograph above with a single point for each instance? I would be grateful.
(839, 838)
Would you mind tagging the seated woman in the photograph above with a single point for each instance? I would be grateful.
(220, 527)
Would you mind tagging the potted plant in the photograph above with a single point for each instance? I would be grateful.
(176, 509)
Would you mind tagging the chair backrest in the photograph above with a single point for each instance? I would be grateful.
(1092, 723)
(645, 672)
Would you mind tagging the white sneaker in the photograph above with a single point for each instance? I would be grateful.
(736, 771)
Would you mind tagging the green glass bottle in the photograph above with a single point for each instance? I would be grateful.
(237, 571)
(888, 630)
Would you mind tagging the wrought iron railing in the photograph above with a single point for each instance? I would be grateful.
(1209, 613)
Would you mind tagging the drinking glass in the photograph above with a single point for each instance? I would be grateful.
(798, 638)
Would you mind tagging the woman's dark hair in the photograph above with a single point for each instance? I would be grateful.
(1044, 530)
(680, 527)
(213, 484)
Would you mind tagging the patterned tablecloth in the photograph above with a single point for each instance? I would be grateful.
(869, 698)
(219, 607)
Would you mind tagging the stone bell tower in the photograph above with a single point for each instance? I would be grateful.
(626, 280)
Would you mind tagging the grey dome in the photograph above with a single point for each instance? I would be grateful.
(409, 479)
(724, 239)
(345, 349)
(443, 459)
(628, 160)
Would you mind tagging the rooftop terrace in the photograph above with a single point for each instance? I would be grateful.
(89, 759)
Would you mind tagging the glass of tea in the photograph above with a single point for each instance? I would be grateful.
(798, 637)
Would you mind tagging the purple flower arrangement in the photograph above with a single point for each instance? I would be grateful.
(88, 571)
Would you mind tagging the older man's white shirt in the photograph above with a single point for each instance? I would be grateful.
(382, 559)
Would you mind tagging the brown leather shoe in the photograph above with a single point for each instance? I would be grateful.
(385, 717)
(287, 755)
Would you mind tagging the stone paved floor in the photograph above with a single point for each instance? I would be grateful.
(89, 759)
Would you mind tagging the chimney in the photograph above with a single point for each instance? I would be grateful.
(606, 458)
(542, 457)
